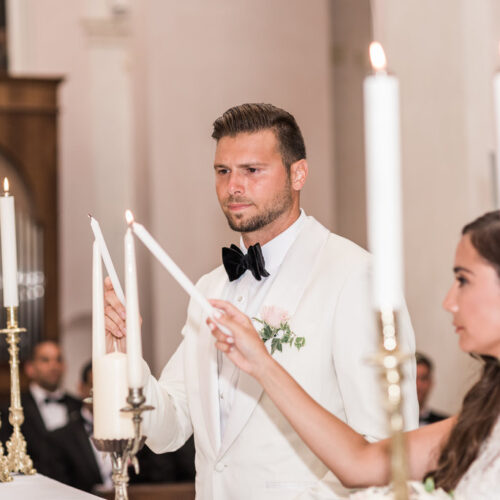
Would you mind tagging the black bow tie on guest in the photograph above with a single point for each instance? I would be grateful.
(236, 262)
(50, 399)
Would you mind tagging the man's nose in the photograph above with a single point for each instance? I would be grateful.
(236, 183)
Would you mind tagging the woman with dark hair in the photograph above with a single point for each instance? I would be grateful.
(461, 453)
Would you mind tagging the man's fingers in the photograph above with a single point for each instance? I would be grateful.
(113, 328)
(107, 283)
(111, 299)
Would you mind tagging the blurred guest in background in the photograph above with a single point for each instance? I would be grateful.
(84, 467)
(46, 408)
(425, 381)
(87, 469)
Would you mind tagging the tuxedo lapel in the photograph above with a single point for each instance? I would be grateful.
(208, 370)
(284, 293)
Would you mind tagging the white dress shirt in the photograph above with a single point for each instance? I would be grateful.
(248, 295)
(54, 414)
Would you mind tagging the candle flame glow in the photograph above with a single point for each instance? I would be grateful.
(129, 216)
(377, 57)
(6, 185)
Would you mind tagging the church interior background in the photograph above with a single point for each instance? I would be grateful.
(143, 80)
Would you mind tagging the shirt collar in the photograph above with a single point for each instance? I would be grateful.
(39, 393)
(274, 251)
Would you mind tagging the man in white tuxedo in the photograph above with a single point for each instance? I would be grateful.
(311, 285)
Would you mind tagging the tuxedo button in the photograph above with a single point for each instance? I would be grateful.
(219, 467)
(240, 298)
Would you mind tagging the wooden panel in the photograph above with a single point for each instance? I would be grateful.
(28, 138)
(176, 491)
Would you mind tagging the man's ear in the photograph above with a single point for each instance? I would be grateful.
(298, 174)
(28, 369)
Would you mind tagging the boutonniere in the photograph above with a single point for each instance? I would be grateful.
(275, 327)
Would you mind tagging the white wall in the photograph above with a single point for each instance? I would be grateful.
(186, 62)
(136, 112)
(445, 55)
(202, 59)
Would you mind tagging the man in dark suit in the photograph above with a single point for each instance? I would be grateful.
(425, 381)
(46, 408)
(84, 467)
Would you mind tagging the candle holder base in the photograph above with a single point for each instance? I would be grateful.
(5, 476)
(123, 450)
(119, 452)
(17, 457)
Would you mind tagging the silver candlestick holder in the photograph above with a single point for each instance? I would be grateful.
(122, 451)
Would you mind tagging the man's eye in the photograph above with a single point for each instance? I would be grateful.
(222, 171)
(461, 280)
(252, 170)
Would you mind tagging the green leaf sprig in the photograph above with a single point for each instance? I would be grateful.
(280, 335)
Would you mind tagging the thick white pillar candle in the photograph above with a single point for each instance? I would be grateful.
(134, 347)
(109, 395)
(106, 257)
(9, 250)
(98, 332)
(383, 175)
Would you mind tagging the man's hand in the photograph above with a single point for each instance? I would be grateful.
(114, 315)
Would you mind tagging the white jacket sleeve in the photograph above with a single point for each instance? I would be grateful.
(355, 340)
(168, 426)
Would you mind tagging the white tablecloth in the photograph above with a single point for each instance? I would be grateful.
(40, 488)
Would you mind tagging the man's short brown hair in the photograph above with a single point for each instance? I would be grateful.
(248, 118)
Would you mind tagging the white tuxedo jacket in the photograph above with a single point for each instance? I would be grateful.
(323, 284)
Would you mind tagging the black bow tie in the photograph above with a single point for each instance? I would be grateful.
(236, 262)
(49, 400)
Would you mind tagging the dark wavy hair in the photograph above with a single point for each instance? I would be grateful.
(481, 405)
(254, 117)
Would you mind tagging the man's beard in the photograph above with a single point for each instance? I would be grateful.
(280, 204)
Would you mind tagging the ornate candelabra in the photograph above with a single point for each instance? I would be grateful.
(123, 450)
(390, 361)
(4, 467)
(18, 459)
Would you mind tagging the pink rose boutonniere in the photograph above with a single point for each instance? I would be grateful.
(275, 327)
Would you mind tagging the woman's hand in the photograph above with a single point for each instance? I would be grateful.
(245, 347)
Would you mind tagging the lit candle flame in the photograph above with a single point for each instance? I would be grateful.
(6, 186)
(377, 57)
(129, 216)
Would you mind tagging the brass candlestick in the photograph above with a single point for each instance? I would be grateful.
(123, 450)
(4, 466)
(390, 361)
(17, 457)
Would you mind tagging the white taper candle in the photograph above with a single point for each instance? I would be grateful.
(9, 249)
(383, 173)
(106, 257)
(98, 332)
(134, 347)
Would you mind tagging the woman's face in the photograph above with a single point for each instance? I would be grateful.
(474, 301)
